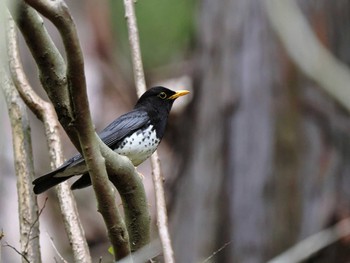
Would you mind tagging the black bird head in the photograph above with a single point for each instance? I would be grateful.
(159, 98)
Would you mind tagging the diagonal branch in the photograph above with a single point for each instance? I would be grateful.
(45, 112)
(25, 259)
(307, 52)
(56, 250)
(162, 219)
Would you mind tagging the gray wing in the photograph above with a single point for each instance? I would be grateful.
(114, 133)
(126, 124)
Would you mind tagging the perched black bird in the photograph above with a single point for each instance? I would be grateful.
(135, 134)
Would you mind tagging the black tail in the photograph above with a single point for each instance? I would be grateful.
(47, 181)
(82, 182)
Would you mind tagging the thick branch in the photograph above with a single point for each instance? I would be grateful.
(45, 112)
(307, 52)
(27, 205)
(52, 68)
(162, 219)
(130, 187)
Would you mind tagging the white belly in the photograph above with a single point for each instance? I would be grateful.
(139, 146)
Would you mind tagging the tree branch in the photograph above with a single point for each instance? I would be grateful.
(51, 66)
(25, 259)
(136, 213)
(56, 250)
(57, 12)
(162, 219)
(134, 42)
(45, 112)
(27, 205)
(130, 187)
(307, 52)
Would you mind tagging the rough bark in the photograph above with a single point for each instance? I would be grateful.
(22, 148)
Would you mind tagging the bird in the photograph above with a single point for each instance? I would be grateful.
(135, 134)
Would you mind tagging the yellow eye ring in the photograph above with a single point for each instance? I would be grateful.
(162, 95)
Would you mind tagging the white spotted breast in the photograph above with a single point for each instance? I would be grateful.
(140, 145)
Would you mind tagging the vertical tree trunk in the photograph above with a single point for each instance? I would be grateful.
(22, 149)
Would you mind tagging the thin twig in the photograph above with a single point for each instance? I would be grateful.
(162, 219)
(35, 221)
(55, 248)
(18, 252)
(134, 42)
(216, 252)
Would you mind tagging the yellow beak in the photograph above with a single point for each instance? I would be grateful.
(179, 93)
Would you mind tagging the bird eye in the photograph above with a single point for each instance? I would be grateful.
(162, 95)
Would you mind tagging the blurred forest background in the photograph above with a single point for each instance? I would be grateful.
(255, 160)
